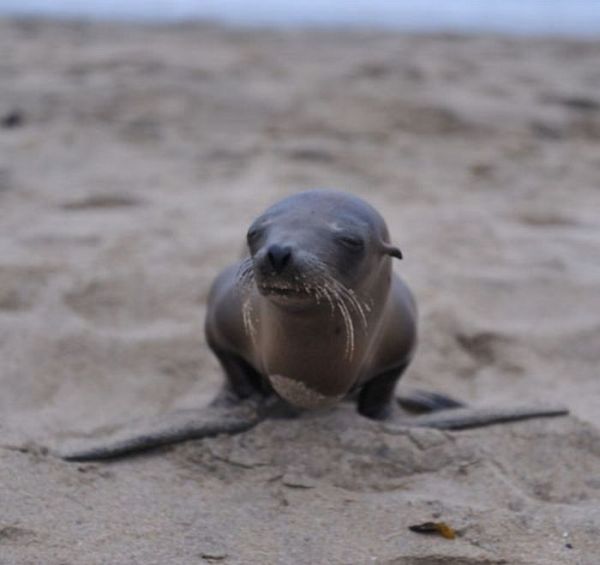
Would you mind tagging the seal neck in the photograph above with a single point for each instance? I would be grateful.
(321, 346)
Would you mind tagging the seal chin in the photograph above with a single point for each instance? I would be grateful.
(299, 394)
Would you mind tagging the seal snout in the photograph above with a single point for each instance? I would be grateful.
(280, 272)
(279, 257)
(277, 264)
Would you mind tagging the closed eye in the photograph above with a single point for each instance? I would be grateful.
(253, 235)
(352, 242)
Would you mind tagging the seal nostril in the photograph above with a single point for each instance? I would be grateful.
(279, 256)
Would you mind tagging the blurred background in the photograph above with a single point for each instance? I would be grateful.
(561, 17)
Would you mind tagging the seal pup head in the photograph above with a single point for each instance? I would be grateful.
(318, 247)
(322, 256)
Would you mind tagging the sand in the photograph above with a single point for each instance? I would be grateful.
(141, 157)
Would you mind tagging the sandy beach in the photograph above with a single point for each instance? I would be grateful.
(132, 160)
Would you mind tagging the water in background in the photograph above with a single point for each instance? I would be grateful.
(556, 17)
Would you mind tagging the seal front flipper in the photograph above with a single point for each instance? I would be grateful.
(169, 428)
(464, 418)
(376, 399)
(421, 401)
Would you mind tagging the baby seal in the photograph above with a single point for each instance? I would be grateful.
(312, 314)
(315, 312)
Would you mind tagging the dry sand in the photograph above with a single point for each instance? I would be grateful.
(142, 157)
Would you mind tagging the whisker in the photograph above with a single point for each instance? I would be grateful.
(350, 296)
(340, 298)
(336, 300)
(244, 281)
(323, 287)
(361, 308)
(245, 272)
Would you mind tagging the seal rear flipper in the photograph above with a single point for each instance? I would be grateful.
(421, 401)
(167, 429)
(464, 418)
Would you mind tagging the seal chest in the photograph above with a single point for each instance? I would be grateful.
(299, 394)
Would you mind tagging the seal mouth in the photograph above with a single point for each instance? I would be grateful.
(283, 291)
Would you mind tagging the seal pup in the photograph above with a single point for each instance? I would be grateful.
(314, 310)
(312, 314)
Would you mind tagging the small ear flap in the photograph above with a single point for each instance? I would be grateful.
(392, 250)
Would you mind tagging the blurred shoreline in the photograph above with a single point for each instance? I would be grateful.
(332, 30)
(556, 18)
